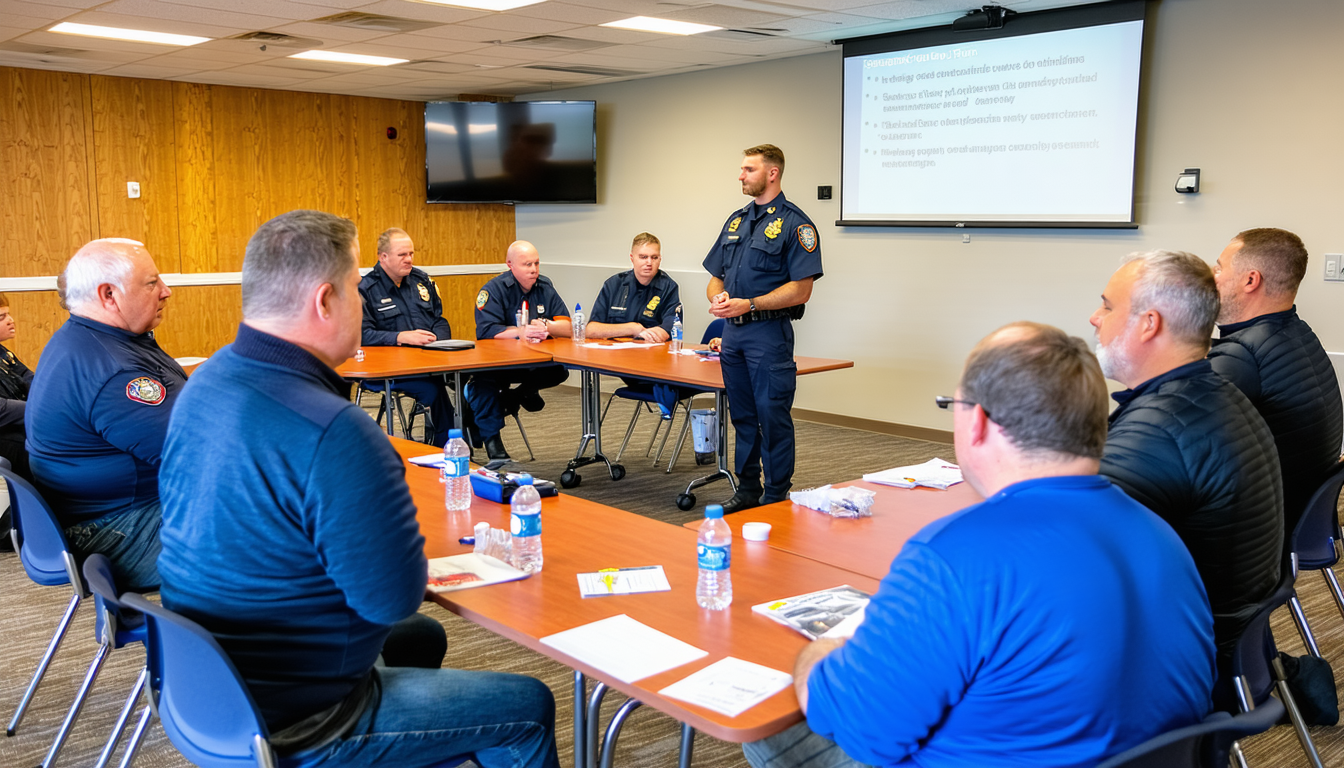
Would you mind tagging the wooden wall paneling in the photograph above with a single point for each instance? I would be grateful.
(133, 140)
(199, 319)
(196, 204)
(241, 183)
(45, 208)
(37, 315)
(472, 234)
(458, 293)
(388, 192)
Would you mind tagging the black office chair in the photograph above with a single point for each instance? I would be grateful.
(1257, 673)
(1209, 744)
(407, 424)
(1315, 547)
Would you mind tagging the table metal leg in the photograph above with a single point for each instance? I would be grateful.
(387, 403)
(461, 400)
(590, 399)
(591, 722)
(687, 499)
(614, 731)
(687, 746)
(580, 721)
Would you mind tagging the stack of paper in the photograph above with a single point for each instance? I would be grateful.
(623, 648)
(449, 574)
(934, 473)
(817, 613)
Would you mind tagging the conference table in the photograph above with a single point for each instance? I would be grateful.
(652, 363)
(863, 545)
(580, 536)
(388, 363)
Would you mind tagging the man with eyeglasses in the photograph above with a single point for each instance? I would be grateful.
(977, 649)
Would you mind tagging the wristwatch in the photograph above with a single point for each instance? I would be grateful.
(753, 305)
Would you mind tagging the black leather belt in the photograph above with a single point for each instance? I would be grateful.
(793, 313)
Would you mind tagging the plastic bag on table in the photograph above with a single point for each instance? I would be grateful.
(850, 501)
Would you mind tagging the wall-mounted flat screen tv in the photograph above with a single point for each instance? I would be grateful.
(517, 152)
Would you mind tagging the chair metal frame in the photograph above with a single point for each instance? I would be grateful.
(1203, 745)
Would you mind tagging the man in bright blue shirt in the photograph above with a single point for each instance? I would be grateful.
(301, 561)
(1054, 624)
(99, 406)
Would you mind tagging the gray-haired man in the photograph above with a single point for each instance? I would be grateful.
(1185, 442)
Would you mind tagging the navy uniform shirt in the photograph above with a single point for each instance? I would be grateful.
(389, 309)
(624, 300)
(502, 297)
(96, 418)
(15, 381)
(763, 247)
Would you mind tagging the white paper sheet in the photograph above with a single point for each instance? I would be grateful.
(623, 345)
(624, 581)
(623, 648)
(729, 686)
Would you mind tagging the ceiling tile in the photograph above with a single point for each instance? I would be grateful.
(70, 4)
(47, 13)
(520, 24)
(280, 9)
(152, 71)
(157, 24)
(169, 14)
(9, 59)
(725, 16)
(422, 11)
(327, 33)
(577, 14)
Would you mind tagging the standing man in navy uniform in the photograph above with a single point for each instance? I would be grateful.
(497, 306)
(98, 410)
(642, 302)
(402, 306)
(761, 273)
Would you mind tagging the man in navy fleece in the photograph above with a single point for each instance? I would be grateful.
(978, 648)
(290, 534)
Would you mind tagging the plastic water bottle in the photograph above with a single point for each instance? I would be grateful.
(456, 482)
(674, 343)
(580, 325)
(525, 524)
(714, 549)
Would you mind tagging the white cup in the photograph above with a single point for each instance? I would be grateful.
(756, 531)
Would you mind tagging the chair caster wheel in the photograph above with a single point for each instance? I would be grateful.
(570, 479)
(686, 502)
(617, 472)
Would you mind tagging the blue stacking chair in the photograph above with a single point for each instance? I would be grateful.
(1206, 745)
(1257, 672)
(197, 693)
(645, 401)
(116, 626)
(47, 559)
(1315, 547)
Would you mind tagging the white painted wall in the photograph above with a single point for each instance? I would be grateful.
(1251, 92)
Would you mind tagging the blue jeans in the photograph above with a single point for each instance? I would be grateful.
(798, 747)
(426, 716)
(130, 539)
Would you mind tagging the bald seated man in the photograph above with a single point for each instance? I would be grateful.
(99, 407)
(1275, 359)
(979, 648)
(493, 395)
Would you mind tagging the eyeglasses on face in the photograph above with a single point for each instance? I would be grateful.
(945, 402)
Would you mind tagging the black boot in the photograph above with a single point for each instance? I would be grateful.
(494, 448)
(743, 499)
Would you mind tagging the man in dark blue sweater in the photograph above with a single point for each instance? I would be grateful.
(289, 532)
(1275, 359)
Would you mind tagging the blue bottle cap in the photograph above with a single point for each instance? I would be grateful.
(524, 479)
(454, 433)
(714, 511)
(578, 307)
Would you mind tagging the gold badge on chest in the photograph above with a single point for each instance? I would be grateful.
(732, 226)
(773, 229)
(424, 292)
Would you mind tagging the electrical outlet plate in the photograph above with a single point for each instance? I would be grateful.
(1334, 267)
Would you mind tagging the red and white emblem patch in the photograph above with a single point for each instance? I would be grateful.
(146, 390)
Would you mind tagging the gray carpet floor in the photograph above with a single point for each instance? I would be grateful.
(825, 454)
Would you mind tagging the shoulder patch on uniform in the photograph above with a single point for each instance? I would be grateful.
(424, 292)
(481, 298)
(146, 390)
(807, 237)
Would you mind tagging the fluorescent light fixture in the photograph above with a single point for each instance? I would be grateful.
(135, 35)
(349, 58)
(484, 5)
(664, 26)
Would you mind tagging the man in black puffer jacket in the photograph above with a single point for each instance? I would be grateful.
(1186, 443)
(1276, 361)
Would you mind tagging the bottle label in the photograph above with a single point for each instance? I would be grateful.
(456, 467)
(525, 525)
(714, 558)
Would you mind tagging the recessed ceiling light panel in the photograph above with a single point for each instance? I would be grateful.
(663, 26)
(134, 35)
(349, 58)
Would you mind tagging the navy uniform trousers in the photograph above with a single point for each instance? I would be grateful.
(761, 377)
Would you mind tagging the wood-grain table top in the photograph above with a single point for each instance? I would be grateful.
(656, 363)
(864, 545)
(390, 362)
(581, 536)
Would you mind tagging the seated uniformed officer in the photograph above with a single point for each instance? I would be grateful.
(640, 302)
(497, 305)
(99, 406)
(402, 306)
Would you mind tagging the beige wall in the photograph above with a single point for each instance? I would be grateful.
(1247, 90)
